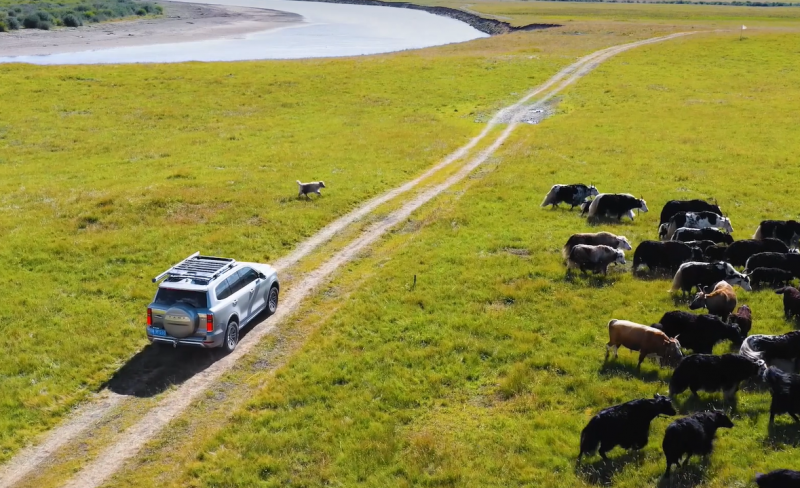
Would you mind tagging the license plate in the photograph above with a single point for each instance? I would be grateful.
(157, 332)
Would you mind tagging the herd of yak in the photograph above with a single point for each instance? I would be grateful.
(696, 248)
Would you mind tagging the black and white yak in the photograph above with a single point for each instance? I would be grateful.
(781, 351)
(674, 206)
(698, 220)
(692, 435)
(695, 273)
(740, 251)
(571, 194)
(667, 255)
(786, 231)
(699, 333)
(615, 205)
(685, 234)
(626, 425)
(594, 258)
(596, 239)
(712, 373)
(786, 261)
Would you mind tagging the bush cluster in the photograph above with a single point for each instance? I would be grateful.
(43, 15)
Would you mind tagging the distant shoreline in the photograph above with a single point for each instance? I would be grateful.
(489, 26)
(181, 22)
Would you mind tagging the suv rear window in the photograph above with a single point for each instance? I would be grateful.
(169, 297)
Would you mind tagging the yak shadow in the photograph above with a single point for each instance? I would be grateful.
(653, 274)
(689, 476)
(602, 472)
(782, 433)
(157, 367)
(704, 401)
(615, 367)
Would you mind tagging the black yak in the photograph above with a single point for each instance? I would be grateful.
(685, 234)
(713, 373)
(698, 333)
(740, 251)
(626, 425)
(786, 231)
(667, 255)
(615, 205)
(694, 273)
(692, 435)
(785, 390)
(780, 478)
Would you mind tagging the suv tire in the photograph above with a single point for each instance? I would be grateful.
(231, 338)
(272, 300)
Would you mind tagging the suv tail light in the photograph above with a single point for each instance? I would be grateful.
(149, 316)
(209, 323)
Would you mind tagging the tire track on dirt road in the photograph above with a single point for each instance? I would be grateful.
(130, 441)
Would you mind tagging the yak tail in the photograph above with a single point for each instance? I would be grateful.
(679, 381)
(747, 350)
(589, 442)
(676, 282)
(593, 207)
(551, 197)
(298, 182)
(758, 235)
(566, 250)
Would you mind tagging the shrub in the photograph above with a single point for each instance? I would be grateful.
(11, 13)
(141, 11)
(44, 25)
(12, 23)
(31, 21)
(3, 27)
(44, 16)
(70, 20)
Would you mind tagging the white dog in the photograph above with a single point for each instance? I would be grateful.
(306, 188)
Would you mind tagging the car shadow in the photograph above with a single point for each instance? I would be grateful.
(617, 367)
(602, 472)
(158, 367)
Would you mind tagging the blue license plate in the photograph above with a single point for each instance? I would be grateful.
(157, 332)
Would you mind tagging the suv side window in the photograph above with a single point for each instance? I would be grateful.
(223, 290)
(244, 277)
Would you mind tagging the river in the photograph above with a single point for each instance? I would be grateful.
(327, 30)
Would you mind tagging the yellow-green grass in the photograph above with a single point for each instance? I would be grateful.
(109, 174)
(485, 372)
(718, 16)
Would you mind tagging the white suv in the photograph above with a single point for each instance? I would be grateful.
(205, 301)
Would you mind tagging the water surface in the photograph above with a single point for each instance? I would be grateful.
(329, 30)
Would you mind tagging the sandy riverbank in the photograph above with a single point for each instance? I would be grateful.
(182, 22)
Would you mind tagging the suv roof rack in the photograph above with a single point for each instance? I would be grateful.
(198, 267)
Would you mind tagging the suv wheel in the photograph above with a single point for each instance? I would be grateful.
(272, 300)
(231, 336)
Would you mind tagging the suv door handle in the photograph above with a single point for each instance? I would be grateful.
(235, 302)
(252, 290)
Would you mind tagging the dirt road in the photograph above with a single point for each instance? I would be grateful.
(129, 442)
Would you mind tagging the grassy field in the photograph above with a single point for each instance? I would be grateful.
(576, 13)
(111, 173)
(485, 372)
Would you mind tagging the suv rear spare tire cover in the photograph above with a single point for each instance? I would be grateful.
(180, 321)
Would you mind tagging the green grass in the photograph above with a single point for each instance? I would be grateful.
(109, 174)
(485, 373)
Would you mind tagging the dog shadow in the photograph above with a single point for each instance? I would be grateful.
(602, 472)
(782, 434)
(616, 367)
(689, 476)
(652, 274)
